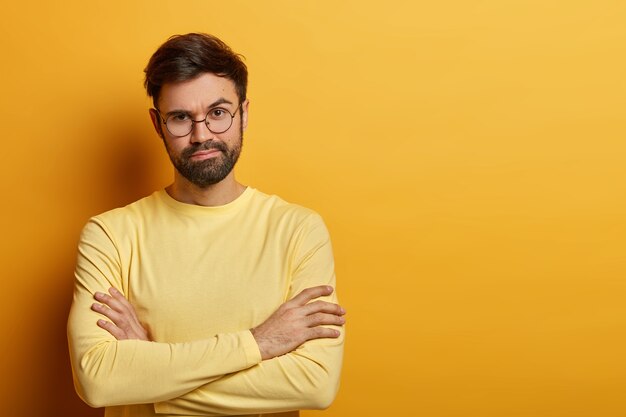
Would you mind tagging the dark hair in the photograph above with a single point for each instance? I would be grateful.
(183, 57)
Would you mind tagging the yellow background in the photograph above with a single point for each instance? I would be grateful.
(468, 157)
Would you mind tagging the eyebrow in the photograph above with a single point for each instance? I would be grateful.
(217, 102)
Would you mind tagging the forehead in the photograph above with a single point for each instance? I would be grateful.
(197, 92)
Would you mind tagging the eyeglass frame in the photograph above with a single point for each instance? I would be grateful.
(193, 122)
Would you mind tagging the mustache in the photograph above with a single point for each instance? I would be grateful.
(204, 146)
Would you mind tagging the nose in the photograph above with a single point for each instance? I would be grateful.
(200, 132)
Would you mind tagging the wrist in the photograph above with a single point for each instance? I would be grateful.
(259, 341)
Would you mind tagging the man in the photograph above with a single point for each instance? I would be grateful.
(212, 297)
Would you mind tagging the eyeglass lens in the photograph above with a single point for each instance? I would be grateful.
(217, 120)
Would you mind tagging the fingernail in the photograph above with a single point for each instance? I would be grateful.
(98, 295)
(113, 291)
(101, 322)
(329, 288)
(343, 310)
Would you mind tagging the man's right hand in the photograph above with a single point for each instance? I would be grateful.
(297, 321)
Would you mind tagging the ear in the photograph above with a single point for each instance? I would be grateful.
(244, 114)
(156, 122)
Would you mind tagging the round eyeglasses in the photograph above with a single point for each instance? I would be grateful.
(217, 120)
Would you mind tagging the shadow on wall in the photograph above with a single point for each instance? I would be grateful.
(56, 392)
(123, 170)
(127, 163)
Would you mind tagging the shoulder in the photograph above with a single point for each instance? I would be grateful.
(293, 221)
(281, 210)
(127, 218)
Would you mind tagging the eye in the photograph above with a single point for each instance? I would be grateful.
(218, 113)
(178, 117)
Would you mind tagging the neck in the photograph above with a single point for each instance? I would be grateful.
(218, 194)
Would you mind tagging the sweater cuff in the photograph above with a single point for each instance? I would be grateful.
(251, 348)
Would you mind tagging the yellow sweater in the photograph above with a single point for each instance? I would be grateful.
(199, 279)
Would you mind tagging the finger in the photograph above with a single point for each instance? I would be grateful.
(310, 294)
(109, 301)
(323, 307)
(117, 295)
(319, 319)
(322, 333)
(115, 331)
(114, 316)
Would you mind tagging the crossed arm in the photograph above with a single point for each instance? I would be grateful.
(290, 361)
(295, 322)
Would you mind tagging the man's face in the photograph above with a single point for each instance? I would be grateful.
(202, 157)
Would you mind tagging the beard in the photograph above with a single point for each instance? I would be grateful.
(210, 171)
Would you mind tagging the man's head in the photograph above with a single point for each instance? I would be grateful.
(198, 86)
(183, 57)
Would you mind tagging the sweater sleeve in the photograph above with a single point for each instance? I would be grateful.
(108, 372)
(307, 378)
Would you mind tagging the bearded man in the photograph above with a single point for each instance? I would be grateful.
(211, 297)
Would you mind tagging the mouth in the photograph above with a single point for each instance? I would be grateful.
(205, 154)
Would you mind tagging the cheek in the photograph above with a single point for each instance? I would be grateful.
(173, 146)
(228, 138)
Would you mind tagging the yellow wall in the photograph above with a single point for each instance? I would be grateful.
(469, 158)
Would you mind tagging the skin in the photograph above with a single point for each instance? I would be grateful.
(195, 96)
(296, 321)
